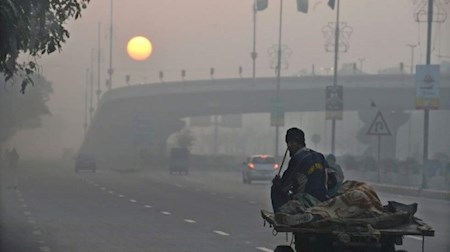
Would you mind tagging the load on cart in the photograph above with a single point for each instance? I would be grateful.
(352, 221)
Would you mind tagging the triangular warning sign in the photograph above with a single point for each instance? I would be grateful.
(379, 126)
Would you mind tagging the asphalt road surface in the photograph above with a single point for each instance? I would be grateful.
(55, 209)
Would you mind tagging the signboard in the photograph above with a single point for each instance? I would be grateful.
(334, 102)
(143, 129)
(379, 126)
(427, 86)
(277, 114)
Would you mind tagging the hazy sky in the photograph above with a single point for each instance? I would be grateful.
(198, 34)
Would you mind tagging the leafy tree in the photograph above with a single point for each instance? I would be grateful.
(23, 111)
(184, 139)
(33, 27)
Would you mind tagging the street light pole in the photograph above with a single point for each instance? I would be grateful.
(98, 92)
(427, 110)
(412, 57)
(277, 99)
(336, 55)
(110, 70)
(254, 54)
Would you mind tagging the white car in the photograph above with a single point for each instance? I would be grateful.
(259, 167)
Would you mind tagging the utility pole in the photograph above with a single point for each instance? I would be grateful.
(277, 99)
(427, 110)
(110, 69)
(254, 54)
(412, 57)
(85, 125)
(99, 91)
(335, 78)
(91, 88)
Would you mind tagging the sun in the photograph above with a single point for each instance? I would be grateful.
(139, 48)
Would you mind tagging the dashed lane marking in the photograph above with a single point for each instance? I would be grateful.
(103, 188)
(415, 237)
(110, 192)
(24, 205)
(27, 213)
(37, 232)
(44, 249)
(166, 213)
(121, 195)
(31, 221)
(264, 249)
(190, 221)
(133, 200)
(221, 233)
(147, 206)
(95, 184)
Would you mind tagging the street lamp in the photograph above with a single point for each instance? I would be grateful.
(412, 57)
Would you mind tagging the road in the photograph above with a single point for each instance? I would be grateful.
(56, 209)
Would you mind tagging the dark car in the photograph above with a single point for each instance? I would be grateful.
(85, 162)
(179, 161)
(259, 167)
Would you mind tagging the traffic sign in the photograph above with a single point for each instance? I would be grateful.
(334, 102)
(277, 114)
(379, 126)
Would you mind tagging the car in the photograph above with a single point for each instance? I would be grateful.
(85, 162)
(179, 161)
(259, 167)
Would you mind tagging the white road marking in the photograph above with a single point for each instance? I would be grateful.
(95, 184)
(165, 213)
(179, 186)
(111, 192)
(221, 233)
(133, 200)
(44, 249)
(24, 205)
(264, 249)
(414, 237)
(21, 200)
(31, 221)
(41, 242)
(190, 221)
(121, 195)
(147, 206)
(103, 188)
(37, 232)
(27, 213)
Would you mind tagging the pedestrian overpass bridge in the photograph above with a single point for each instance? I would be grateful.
(127, 114)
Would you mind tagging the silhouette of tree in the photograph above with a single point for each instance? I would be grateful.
(35, 28)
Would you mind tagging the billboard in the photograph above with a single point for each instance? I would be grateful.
(427, 86)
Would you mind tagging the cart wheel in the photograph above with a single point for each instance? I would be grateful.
(283, 248)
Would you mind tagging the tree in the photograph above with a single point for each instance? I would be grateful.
(23, 111)
(33, 27)
(184, 139)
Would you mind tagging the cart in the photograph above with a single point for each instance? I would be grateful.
(353, 236)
